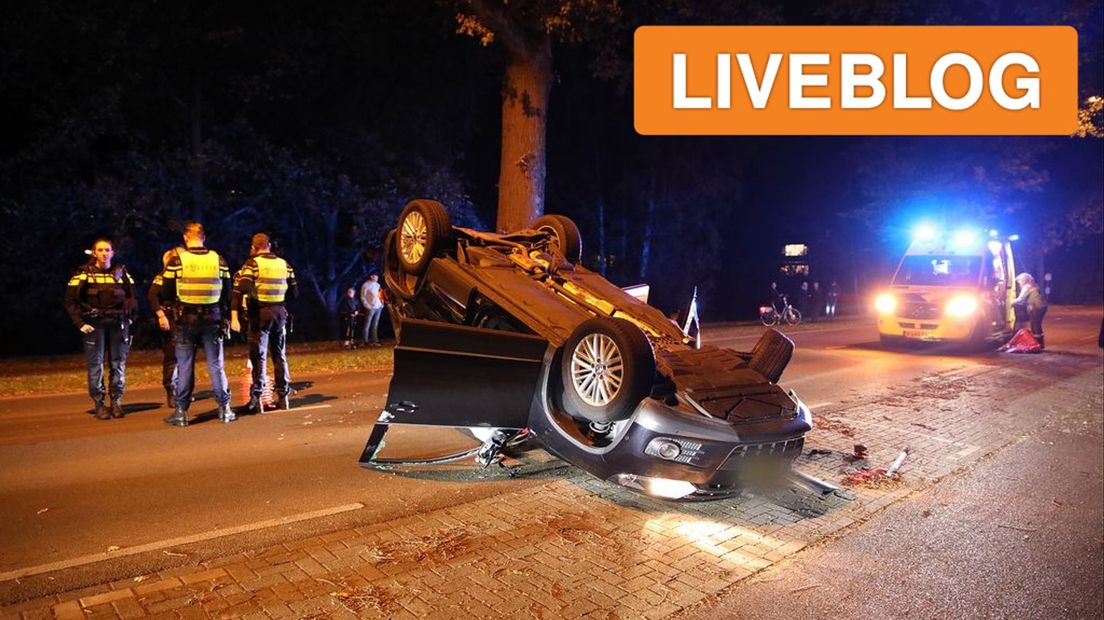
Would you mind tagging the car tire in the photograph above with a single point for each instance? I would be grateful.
(979, 338)
(423, 231)
(891, 342)
(607, 368)
(398, 283)
(566, 234)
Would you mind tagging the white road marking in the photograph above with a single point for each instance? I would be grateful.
(823, 404)
(294, 409)
(174, 542)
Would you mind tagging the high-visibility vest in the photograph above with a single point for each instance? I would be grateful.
(199, 283)
(271, 284)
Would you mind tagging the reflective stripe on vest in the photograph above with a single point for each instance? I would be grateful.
(271, 283)
(199, 282)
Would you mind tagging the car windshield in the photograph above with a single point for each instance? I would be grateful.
(939, 271)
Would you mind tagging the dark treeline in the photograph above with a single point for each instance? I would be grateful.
(316, 122)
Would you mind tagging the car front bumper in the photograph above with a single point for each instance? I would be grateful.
(714, 457)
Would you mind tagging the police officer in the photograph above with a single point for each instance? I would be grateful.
(101, 303)
(168, 341)
(264, 280)
(196, 282)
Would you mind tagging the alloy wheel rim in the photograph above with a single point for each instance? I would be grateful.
(412, 237)
(597, 369)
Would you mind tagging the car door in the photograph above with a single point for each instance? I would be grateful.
(455, 375)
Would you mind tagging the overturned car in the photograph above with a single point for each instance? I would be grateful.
(511, 334)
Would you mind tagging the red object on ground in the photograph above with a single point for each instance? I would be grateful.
(1022, 342)
(866, 475)
(268, 396)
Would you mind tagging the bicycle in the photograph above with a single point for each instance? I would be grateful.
(770, 316)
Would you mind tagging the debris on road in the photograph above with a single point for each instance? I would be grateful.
(898, 462)
(42, 511)
(862, 476)
(113, 548)
(860, 454)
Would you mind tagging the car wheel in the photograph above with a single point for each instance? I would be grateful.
(423, 230)
(979, 338)
(891, 342)
(607, 369)
(565, 235)
(403, 286)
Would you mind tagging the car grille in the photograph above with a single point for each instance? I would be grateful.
(920, 311)
(783, 450)
(905, 325)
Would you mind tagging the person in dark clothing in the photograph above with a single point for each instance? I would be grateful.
(816, 305)
(168, 342)
(196, 286)
(833, 299)
(1031, 305)
(101, 302)
(265, 280)
(349, 309)
(776, 298)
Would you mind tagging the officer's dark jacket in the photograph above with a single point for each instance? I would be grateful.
(95, 296)
(175, 282)
(265, 278)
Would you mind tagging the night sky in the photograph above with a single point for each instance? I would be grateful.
(318, 121)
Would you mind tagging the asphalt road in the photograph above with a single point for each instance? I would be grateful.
(74, 490)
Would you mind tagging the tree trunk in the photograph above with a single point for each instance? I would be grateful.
(524, 113)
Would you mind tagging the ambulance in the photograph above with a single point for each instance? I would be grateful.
(950, 287)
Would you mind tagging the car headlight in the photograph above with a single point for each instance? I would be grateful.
(656, 487)
(885, 303)
(962, 305)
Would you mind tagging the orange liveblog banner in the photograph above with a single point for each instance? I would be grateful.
(855, 80)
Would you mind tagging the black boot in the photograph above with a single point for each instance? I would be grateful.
(255, 405)
(1041, 339)
(225, 414)
(283, 402)
(117, 407)
(179, 417)
(101, 412)
(170, 397)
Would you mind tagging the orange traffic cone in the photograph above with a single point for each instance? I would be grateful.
(268, 394)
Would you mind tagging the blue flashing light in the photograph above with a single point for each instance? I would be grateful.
(965, 238)
(924, 232)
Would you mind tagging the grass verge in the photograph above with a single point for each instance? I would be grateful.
(66, 373)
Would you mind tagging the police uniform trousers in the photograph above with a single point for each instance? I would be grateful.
(268, 334)
(199, 327)
(114, 340)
